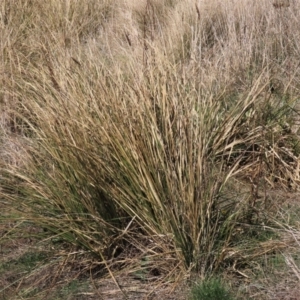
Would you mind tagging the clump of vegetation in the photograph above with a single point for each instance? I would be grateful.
(146, 145)
(210, 289)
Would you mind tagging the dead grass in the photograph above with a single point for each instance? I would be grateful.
(141, 141)
(56, 270)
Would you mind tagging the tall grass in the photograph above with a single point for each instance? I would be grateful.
(127, 138)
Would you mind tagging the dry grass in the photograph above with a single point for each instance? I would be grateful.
(145, 136)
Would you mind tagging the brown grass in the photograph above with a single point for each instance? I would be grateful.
(142, 139)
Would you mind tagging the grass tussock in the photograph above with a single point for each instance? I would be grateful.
(128, 129)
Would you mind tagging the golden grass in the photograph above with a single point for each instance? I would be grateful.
(124, 125)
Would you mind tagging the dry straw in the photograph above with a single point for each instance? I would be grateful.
(149, 142)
